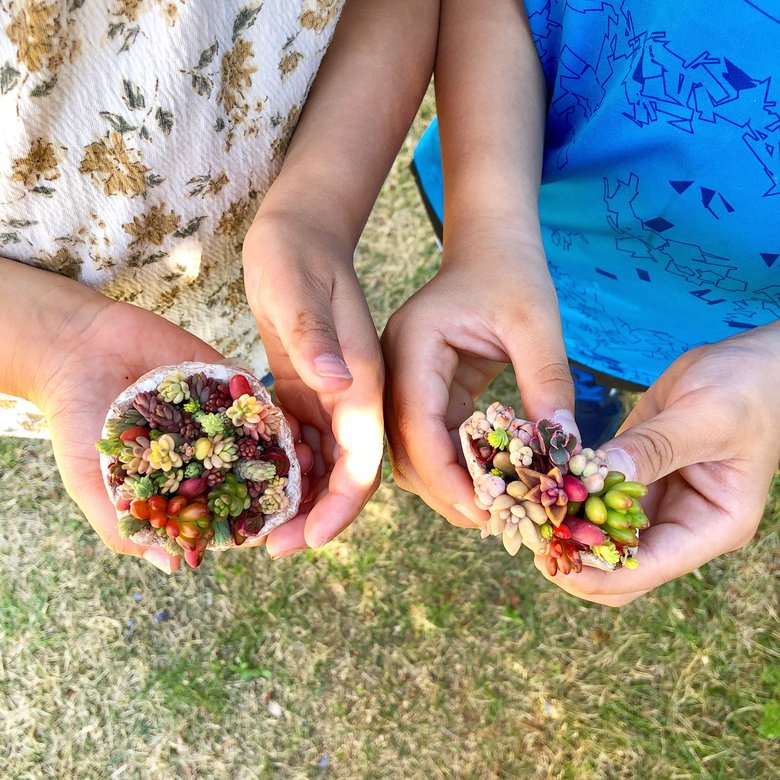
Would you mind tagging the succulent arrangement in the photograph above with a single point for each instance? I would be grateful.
(197, 456)
(544, 491)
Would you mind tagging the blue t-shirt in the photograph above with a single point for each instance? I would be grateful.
(660, 198)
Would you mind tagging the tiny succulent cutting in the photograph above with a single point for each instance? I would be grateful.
(544, 491)
(196, 461)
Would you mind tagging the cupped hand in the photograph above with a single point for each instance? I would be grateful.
(706, 438)
(105, 347)
(444, 346)
(324, 354)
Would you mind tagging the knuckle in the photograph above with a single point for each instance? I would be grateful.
(311, 325)
(401, 468)
(404, 419)
(655, 447)
(744, 536)
(555, 375)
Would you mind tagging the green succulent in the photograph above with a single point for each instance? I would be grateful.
(222, 533)
(171, 547)
(128, 526)
(498, 439)
(254, 470)
(110, 446)
(192, 406)
(143, 487)
(607, 552)
(194, 469)
(212, 424)
(174, 388)
(230, 498)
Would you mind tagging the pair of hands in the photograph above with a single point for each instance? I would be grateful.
(335, 413)
(704, 434)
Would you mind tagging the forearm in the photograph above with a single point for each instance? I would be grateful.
(363, 101)
(490, 95)
(40, 312)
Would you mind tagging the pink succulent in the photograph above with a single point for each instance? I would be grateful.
(522, 430)
(500, 416)
(488, 487)
(547, 490)
(477, 426)
(575, 490)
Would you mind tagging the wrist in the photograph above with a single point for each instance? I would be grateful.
(310, 209)
(500, 240)
(45, 318)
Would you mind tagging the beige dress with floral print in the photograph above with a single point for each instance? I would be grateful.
(137, 138)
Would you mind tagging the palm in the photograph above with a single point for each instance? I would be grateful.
(123, 343)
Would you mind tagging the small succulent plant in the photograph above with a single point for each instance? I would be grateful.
(216, 453)
(168, 482)
(248, 448)
(133, 456)
(255, 470)
(544, 491)
(230, 498)
(174, 388)
(162, 454)
(184, 463)
(157, 412)
(212, 424)
(274, 499)
(552, 442)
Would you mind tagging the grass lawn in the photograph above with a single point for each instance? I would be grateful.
(404, 649)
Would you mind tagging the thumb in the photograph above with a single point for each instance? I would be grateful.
(671, 440)
(308, 335)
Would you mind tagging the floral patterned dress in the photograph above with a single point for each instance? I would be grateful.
(138, 138)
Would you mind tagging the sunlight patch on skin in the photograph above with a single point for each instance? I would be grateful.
(359, 432)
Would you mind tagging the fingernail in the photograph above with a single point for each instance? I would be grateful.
(472, 513)
(287, 553)
(160, 559)
(620, 460)
(565, 419)
(331, 366)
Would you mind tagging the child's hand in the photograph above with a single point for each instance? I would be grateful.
(492, 302)
(706, 435)
(325, 358)
(105, 347)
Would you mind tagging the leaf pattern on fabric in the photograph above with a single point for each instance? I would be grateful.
(153, 226)
(114, 167)
(151, 130)
(319, 14)
(41, 162)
